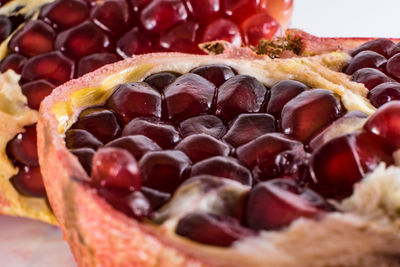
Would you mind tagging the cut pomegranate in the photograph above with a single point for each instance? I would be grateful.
(223, 30)
(164, 170)
(5, 28)
(85, 156)
(207, 124)
(211, 229)
(14, 62)
(381, 46)
(133, 100)
(95, 61)
(215, 73)
(36, 91)
(115, 168)
(308, 112)
(63, 14)
(134, 42)
(35, 38)
(137, 145)
(370, 77)
(260, 26)
(29, 181)
(384, 93)
(161, 80)
(112, 16)
(78, 138)
(23, 147)
(366, 59)
(187, 96)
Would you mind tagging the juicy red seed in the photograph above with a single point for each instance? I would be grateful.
(36, 91)
(14, 62)
(240, 9)
(277, 203)
(283, 92)
(211, 229)
(115, 168)
(370, 77)
(78, 138)
(23, 147)
(215, 73)
(161, 80)
(155, 197)
(265, 147)
(201, 146)
(223, 167)
(395, 50)
(35, 38)
(335, 167)
(5, 28)
(101, 123)
(384, 93)
(247, 127)
(85, 157)
(139, 4)
(63, 14)
(239, 94)
(385, 123)
(308, 112)
(207, 124)
(134, 42)
(366, 59)
(131, 100)
(393, 66)
(53, 67)
(164, 135)
(112, 16)
(29, 182)
(161, 15)
(380, 46)
(204, 11)
(181, 38)
(82, 40)
(95, 61)
(137, 145)
(133, 204)
(164, 170)
(222, 30)
(258, 27)
(188, 96)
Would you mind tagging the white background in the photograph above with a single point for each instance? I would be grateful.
(34, 244)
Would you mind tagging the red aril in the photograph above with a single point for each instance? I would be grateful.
(14, 62)
(161, 80)
(239, 10)
(381, 46)
(78, 138)
(222, 30)
(281, 10)
(370, 77)
(134, 42)
(29, 182)
(207, 124)
(384, 93)
(36, 91)
(63, 14)
(95, 61)
(85, 156)
(23, 147)
(260, 26)
(155, 197)
(182, 38)
(393, 66)
(366, 59)
(215, 73)
(137, 145)
(205, 11)
(112, 16)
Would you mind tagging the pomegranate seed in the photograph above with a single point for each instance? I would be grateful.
(277, 203)
(381, 46)
(211, 229)
(155, 197)
(164, 170)
(240, 9)
(370, 77)
(137, 145)
(63, 14)
(53, 67)
(82, 40)
(207, 124)
(281, 93)
(385, 123)
(224, 167)
(23, 147)
(5, 28)
(36, 91)
(260, 26)
(95, 61)
(181, 38)
(139, 4)
(112, 16)
(215, 73)
(134, 42)
(35, 38)
(201, 146)
(85, 157)
(14, 62)
(222, 30)
(29, 182)
(393, 66)
(365, 59)
(395, 50)
(308, 112)
(281, 10)
(101, 123)
(133, 100)
(161, 80)
(187, 96)
(240, 94)
(78, 138)
(161, 15)
(164, 135)
(247, 127)
(384, 93)
(204, 11)
(115, 167)
(336, 167)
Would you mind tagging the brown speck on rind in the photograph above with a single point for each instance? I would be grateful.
(212, 48)
(280, 47)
